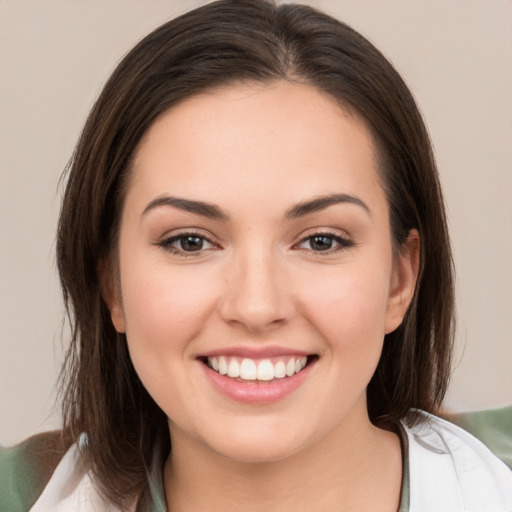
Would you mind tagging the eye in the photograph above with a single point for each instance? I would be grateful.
(324, 242)
(186, 243)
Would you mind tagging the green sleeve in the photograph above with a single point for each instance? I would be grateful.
(25, 469)
(492, 427)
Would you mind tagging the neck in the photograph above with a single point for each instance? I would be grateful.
(357, 467)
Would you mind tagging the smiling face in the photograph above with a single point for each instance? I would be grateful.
(256, 270)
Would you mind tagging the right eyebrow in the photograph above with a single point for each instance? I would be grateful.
(208, 210)
(321, 203)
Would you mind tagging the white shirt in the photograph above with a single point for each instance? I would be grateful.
(452, 471)
(446, 469)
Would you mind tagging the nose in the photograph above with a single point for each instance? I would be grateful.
(257, 296)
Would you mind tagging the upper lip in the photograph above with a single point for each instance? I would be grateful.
(255, 352)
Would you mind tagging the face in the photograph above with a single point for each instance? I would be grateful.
(256, 272)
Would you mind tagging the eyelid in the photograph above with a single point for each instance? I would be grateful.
(165, 242)
(343, 240)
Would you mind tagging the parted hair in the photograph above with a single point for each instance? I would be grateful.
(221, 43)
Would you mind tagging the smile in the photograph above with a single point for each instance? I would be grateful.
(257, 369)
(257, 376)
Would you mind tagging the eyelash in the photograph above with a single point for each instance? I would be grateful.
(167, 243)
(343, 243)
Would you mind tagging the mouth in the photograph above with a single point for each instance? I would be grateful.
(257, 377)
(266, 370)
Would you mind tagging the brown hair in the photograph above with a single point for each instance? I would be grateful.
(221, 43)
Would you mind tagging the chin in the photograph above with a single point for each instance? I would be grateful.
(257, 445)
(257, 453)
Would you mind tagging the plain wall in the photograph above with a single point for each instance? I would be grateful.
(54, 57)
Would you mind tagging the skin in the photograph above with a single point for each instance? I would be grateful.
(256, 152)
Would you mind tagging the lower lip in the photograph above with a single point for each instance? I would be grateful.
(256, 392)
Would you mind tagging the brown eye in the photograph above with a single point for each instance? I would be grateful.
(321, 243)
(191, 243)
(185, 244)
(324, 242)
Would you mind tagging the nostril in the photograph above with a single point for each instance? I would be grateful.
(255, 300)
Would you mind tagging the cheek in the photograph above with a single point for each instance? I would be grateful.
(158, 295)
(349, 309)
(165, 308)
(164, 312)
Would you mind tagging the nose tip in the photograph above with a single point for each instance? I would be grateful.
(255, 322)
(256, 297)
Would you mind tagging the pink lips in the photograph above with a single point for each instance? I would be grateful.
(256, 392)
(255, 352)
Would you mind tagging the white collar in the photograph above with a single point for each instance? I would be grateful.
(452, 471)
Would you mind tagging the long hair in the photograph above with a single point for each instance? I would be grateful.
(226, 42)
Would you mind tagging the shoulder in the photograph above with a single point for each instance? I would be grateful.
(48, 472)
(450, 469)
(26, 468)
(492, 427)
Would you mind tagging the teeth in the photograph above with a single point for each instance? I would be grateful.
(290, 367)
(248, 369)
(233, 368)
(263, 370)
(279, 370)
(223, 365)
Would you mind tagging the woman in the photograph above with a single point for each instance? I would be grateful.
(254, 253)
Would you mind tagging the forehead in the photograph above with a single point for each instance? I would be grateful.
(253, 141)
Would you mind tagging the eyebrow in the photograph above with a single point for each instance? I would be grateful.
(208, 210)
(321, 203)
(212, 211)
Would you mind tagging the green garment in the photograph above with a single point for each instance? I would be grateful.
(25, 469)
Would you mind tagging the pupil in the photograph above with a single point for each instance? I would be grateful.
(191, 243)
(321, 243)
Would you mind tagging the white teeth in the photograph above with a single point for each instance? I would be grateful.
(223, 365)
(290, 367)
(300, 363)
(248, 369)
(279, 370)
(233, 368)
(263, 370)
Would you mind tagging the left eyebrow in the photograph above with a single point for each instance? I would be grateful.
(321, 203)
(208, 210)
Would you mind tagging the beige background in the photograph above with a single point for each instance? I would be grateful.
(456, 56)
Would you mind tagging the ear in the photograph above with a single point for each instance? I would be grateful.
(403, 281)
(110, 289)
